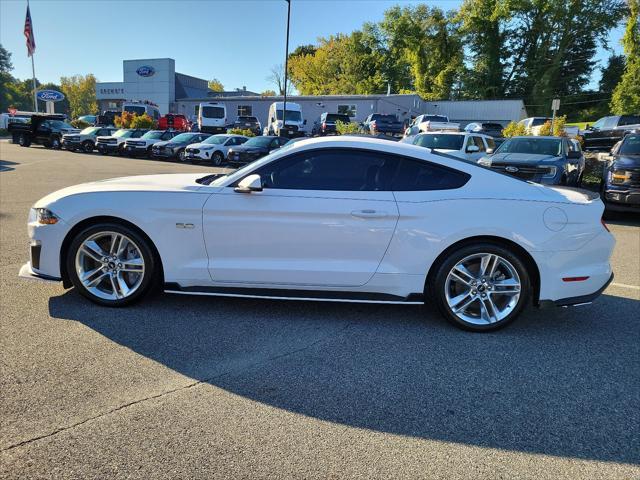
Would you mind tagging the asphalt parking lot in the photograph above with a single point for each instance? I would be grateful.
(189, 387)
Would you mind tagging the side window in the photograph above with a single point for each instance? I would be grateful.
(629, 120)
(491, 143)
(414, 175)
(599, 123)
(478, 141)
(468, 142)
(610, 122)
(331, 169)
(136, 134)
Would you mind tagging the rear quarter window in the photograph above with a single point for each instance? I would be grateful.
(414, 175)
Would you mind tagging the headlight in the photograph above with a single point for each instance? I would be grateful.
(551, 173)
(620, 176)
(485, 162)
(45, 216)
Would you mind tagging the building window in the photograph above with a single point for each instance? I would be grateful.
(112, 105)
(350, 110)
(245, 110)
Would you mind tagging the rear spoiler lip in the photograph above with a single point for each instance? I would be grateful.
(590, 194)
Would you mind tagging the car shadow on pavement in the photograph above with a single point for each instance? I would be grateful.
(560, 382)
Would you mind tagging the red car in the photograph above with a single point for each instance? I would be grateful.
(174, 121)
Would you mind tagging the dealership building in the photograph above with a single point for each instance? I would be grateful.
(156, 80)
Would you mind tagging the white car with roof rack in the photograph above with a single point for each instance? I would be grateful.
(468, 146)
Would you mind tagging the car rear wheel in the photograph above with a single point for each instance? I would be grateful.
(24, 140)
(111, 265)
(217, 158)
(481, 287)
(87, 146)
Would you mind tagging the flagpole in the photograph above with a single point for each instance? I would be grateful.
(35, 92)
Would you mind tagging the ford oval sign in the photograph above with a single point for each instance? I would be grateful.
(50, 96)
(146, 71)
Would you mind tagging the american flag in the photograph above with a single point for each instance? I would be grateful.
(28, 32)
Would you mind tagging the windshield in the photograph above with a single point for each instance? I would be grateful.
(212, 112)
(89, 130)
(492, 126)
(123, 132)
(183, 137)
(216, 139)
(630, 145)
(135, 109)
(59, 124)
(153, 135)
(334, 117)
(258, 141)
(533, 145)
(435, 118)
(441, 142)
(536, 122)
(291, 115)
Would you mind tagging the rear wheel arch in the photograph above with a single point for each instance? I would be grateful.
(515, 248)
(89, 222)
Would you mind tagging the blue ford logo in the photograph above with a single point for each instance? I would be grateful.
(511, 169)
(50, 96)
(146, 71)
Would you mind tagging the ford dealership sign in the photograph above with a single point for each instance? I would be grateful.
(50, 96)
(146, 71)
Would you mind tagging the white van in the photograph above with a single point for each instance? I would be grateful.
(212, 117)
(295, 126)
(140, 108)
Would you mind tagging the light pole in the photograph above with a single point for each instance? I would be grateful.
(286, 65)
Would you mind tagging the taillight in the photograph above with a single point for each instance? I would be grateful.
(324, 125)
(604, 225)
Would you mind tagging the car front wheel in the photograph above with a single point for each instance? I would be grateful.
(111, 265)
(217, 158)
(481, 287)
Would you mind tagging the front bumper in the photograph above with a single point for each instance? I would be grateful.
(108, 147)
(71, 144)
(135, 150)
(201, 155)
(26, 271)
(624, 199)
(164, 153)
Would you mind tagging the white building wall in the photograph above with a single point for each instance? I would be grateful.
(158, 88)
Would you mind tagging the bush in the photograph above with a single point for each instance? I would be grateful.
(344, 128)
(514, 129)
(4, 132)
(143, 121)
(80, 124)
(239, 131)
(123, 120)
(558, 128)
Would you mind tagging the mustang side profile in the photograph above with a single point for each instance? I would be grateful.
(336, 219)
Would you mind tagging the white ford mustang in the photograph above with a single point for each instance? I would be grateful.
(340, 219)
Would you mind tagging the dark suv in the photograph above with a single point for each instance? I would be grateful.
(326, 124)
(620, 186)
(246, 122)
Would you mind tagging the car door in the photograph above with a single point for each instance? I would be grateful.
(607, 136)
(323, 218)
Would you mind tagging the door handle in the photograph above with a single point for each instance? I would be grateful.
(368, 214)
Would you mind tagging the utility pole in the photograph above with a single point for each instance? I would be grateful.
(286, 69)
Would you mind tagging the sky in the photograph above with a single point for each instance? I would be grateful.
(235, 41)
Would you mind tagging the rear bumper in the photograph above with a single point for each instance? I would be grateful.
(209, 129)
(26, 271)
(579, 300)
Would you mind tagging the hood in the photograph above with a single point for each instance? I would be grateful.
(176, 182)
(70, 130)
(163, 143)
(523, 158)
(202, 145)
(630, 162)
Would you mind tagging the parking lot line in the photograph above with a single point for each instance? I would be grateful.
(624, 285)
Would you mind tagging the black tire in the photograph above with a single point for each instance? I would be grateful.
(120, 151)
(151, 272)
(217, 158)
(24, 140)
(436, 287)
(149, 152)
(87, 146)
(55, 142)
(181, 156)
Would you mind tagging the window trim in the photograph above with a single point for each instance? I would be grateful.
(241, 109)
(400, 157)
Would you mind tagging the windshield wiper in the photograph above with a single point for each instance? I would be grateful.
(207, 179)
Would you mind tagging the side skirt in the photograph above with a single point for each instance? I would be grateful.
(303, 295)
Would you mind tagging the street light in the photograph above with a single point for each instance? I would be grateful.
(286, 65)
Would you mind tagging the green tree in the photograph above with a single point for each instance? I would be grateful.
(81, 94)
(5, 60)
(216, 85)
(268, 93)
(626, 96)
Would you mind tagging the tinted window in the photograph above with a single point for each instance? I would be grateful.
(136, 110)
(213, 112)
(435, 118)
(440, 141)
(330, 169)
(492, 126)
(533, 145)
(536, 122)
(491, 143)
(137, 134)
(414, 175)
(478, 141)
(629, 119)
(334, 117)
(630, 145)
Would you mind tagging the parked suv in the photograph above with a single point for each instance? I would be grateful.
(115, 142)
(463, 145)
(607, 131)
(255, 148)
(214, 149)
(246, 122)
(326, 124)
(548, 160)
(385, 124)
(142, 146)
(174, 148)
(620, 186)
(86, 139)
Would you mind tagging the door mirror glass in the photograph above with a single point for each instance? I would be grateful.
(251, 183)
(490, 151)
(473, 149)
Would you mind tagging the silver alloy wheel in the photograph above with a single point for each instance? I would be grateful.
(482, 288)
(110, 265)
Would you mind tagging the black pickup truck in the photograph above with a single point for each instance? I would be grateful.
(46, 130)
(382, 123)
(608, 131)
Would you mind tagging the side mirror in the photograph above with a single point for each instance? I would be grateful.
(252, 183)
(490, 151)
(473, 149)
(586, 126)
